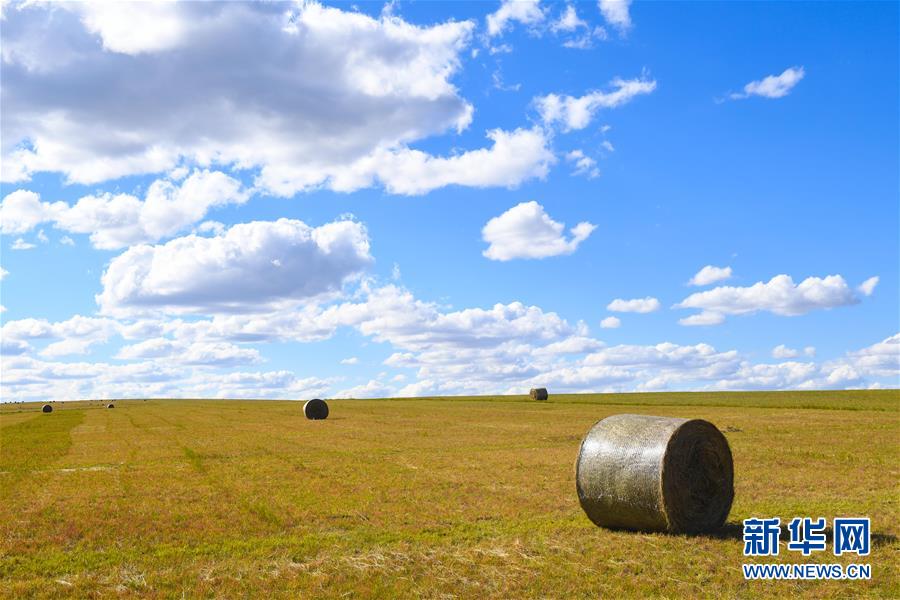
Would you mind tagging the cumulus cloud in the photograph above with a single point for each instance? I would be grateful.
(780, 296)
(783, 352)
(372, 389)
(527, 231)
(867, 287)
(584, 165)
(219, 354)
(575, 31)
(73, 336)
(773, 86)
(704, 318)
(527, 12)
(21, 244)
(637, 305)
(30, 379)
(611, 323)
(198, 85)
(568, 20)
(514, 156)
(3, 273)
(710, 274)
(577, 112)
(350, 361)
(251, 267)
(120, 220)
(616, 13)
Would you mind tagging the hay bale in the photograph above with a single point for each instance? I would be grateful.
(110, 405)
(315, 409)
(47, 408)
(538, 394)
(655, 474)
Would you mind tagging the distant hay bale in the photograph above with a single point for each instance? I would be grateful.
(47, 408)
(315, 409)
(110, 405)
(538, 394)
(655, 474)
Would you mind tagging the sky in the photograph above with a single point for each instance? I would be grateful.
(289, 200)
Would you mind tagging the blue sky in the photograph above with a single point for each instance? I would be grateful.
(288, 200)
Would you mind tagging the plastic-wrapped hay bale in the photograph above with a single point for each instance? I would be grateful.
(316, 409)
(655, 474)
(47, 408)
(538, 394)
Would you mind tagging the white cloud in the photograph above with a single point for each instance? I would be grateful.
(710, 274)
(251, 267)
(637, 305)
(117, 221)
(67, 348)
(350, 361)
(219, 354)
(514, 157)
(780, 296)
(575, 344)
(21, 211)
(3, 273)
(781, 351)
(584, 165)
(867, 287)
(26, 378)
(75, 335)
(616, 13)
(704, 318)
(66, 241)
(608, 146)
(21, 244)
(577, 112)
(773, 86)
(527, 12)
(568, 21)
(372, 389)
(585, 40)
(527, 231)
(611, 323)
(304, 112)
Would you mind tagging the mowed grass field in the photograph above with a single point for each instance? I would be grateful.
(438, 497)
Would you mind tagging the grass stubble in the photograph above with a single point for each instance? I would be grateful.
(437, 497)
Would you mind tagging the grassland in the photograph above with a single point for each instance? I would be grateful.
(461, 497)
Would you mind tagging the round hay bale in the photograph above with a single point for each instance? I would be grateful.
(655, 474)
(315, 409)
(110, 405)
(47, 408)
(538, 394)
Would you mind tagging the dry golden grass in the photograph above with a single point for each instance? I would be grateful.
(466, 498)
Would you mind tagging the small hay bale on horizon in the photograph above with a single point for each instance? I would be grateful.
(110, 405)
(315, 409)
(47, 408)
(538, 394)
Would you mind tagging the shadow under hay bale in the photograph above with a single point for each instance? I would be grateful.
(650, 473)
(47, 408)
(315, 409)
(110, 405)
(538, 394)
